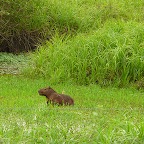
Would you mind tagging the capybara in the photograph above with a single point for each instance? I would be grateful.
(55, 98)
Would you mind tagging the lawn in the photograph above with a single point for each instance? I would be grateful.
(100, 115)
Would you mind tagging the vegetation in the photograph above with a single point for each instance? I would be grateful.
(81, 47)
(110, 55)
(99, 115)
(91, 42)
(25, 23)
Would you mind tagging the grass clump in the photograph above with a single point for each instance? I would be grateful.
(111, 55)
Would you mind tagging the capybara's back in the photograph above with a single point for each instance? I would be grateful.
(67, 100)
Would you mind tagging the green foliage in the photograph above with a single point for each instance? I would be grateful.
(21, 24)
(23, 15)
(26, 23)
(100, 115)
(113, 54)
(90, 41)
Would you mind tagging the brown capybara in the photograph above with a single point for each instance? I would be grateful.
(55, 98)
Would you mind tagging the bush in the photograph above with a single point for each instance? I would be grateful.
(20, 26)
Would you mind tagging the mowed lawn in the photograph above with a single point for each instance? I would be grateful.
(99, 116)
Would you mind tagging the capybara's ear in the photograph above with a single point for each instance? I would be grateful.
(49, 87)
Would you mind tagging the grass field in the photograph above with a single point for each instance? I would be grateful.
(100, 115)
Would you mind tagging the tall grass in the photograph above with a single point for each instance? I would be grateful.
(23, 23)
(110, 55)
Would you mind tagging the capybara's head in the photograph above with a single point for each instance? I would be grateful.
(46, 91)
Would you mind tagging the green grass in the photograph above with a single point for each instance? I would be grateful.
(99, 115)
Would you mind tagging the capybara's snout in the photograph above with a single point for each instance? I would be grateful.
(41, 92)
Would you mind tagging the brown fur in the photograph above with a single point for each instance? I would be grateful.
(55, 98)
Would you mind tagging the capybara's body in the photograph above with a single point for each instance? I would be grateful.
(55, 98)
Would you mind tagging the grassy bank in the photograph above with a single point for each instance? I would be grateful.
(99, 115)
